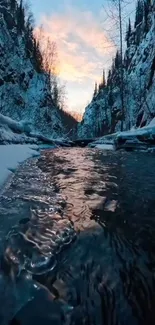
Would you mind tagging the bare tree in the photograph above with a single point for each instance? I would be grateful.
(48, 50)
(51, 66)
(116, 13)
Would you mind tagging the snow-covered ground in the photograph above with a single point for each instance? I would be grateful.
(13, 147)
(11, 156)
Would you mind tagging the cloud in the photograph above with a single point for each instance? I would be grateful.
(83, 49)
(82, 44)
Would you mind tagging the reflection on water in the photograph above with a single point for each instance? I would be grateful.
(77, 238)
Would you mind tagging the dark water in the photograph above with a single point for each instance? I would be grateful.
(77, 240)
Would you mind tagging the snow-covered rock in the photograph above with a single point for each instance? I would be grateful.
(95, 118)
(8, 136)
(22, 126)
(24, 91)
(103, 115)
(12, 131)
(140, 138)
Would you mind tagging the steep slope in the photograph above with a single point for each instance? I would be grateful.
(24, 85)
(95, 118)
(104, 114)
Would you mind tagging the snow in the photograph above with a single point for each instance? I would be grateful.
(8, 136)
(12, 131)
(22, 126)
(152, 123)
(140, 136)
(139, 90)
(148, 130)
(104, 146)
(11, 156)
(107, 140)
(25, 94)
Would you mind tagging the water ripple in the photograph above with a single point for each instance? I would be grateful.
(78, 231)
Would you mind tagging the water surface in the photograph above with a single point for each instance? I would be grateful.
(77, 239)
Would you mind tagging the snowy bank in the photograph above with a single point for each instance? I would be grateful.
(11, 156)
(106, 139)
(12, 131)
(141, 138)
(22, 126)
(8, 136)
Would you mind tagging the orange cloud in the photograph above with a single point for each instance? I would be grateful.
(82, 44)
(83, 49)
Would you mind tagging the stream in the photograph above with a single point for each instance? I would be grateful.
(77, 239)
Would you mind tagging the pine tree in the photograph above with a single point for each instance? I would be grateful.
(29, 38)
(128, 33)
(29, 41)
(55, 93)
(37, 57)
(20, 17)
(95, 90)
(139, 12)
(13, 5)
(103, 80)
(102, 85)
(117, 60)
(147, 5)
(109, 78)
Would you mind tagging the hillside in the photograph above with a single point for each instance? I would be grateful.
(104, 114)
(25, 91)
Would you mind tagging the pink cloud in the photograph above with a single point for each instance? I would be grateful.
(82, 44)
(83, 49)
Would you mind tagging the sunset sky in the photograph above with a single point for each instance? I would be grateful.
(86, 40)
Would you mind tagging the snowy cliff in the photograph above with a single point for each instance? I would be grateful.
(24, 86)
(103, 115)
